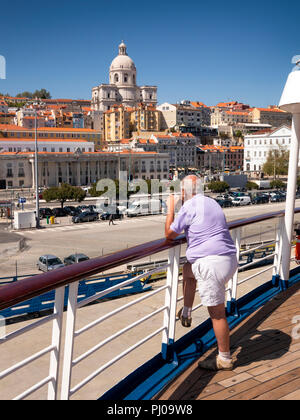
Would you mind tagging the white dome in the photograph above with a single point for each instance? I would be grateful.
(122, 62)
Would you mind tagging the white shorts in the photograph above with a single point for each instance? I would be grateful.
(212, 273)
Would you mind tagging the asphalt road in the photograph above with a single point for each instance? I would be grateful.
(98, 238)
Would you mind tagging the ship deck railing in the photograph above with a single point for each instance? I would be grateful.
(173, 356)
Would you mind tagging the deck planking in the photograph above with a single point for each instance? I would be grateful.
(266, 355)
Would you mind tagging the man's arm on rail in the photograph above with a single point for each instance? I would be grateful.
(169, 233)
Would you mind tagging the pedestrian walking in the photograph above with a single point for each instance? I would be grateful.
(111, 219)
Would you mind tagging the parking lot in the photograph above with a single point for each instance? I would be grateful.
(98, 238)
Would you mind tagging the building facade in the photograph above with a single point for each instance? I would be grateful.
(181, 148)
(44, 133)
(122, 87)
(272, 115)
(258, 145)
(120, 122)
(186, 116)
(213, 158)
(79, 168)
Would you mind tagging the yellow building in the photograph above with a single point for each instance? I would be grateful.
(120, 122)
(117, 124)
(145, 118)
(272, 115)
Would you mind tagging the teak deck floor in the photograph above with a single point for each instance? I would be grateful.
(267, 359)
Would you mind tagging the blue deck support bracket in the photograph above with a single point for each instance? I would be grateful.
(232, 308)
(275, 280)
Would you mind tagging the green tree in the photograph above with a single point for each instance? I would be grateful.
(218, 186)
(277, 183)
(42, 94)
(277, 163)
(63, 193)
(238, 134)
(251, 185)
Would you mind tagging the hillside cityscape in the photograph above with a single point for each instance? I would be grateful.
(81, 140)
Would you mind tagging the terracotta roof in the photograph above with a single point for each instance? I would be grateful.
(199, 104)
(12, 127)
(270, 109)
(45, 140)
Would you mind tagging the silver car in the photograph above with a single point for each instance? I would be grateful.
(49, 262)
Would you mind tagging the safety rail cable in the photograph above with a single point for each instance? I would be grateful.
(67, 276)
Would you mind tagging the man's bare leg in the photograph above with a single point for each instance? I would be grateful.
(221, 330)
(188, 285)
(189, 289)
(220, 326)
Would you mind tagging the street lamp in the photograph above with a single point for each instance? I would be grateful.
(37, 204)
(290, 102)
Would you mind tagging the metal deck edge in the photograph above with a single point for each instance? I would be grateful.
(150, 378)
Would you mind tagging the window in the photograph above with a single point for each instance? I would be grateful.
(125, 78)
(116, 79)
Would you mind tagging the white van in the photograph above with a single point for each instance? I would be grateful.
(144, 207)
(241, 201)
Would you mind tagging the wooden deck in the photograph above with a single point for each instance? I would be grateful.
(267, 359)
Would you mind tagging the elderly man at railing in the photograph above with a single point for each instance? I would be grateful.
(211, 256)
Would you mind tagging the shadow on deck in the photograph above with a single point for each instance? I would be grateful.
(266, 350)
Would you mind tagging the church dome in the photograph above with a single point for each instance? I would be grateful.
(122, 61)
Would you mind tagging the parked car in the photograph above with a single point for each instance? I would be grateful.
(75, 258)
(45, 211)
(70, 210)
(260, 199)
(116, 215)
(85, 216)
(83, 207)
(224, 202)
(49, 262)
(59, 212)
(224, 197)
(276, 198)
(241, 201)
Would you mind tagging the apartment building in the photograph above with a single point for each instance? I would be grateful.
(224, 117)
(272, 115)
(211, 158)
(258, 145)
(180, 147)
(186, 116)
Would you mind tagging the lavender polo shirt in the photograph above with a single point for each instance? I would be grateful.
(205, 228)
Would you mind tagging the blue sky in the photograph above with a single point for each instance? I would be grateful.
(209, 51)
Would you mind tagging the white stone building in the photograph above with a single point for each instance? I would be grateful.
(122, 87)
(257, 146)
(9, 144)
(79, 168)
(187, 114)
